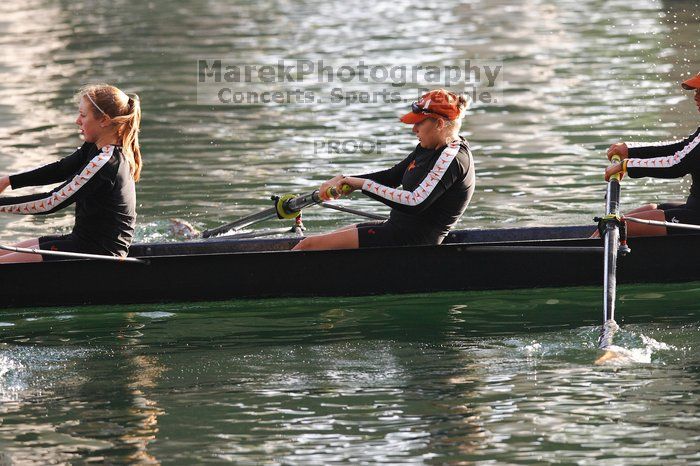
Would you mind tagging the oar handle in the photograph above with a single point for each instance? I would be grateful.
(617, 176)
(290, 205)
(344, 190)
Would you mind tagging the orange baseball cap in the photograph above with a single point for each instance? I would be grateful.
(692, 83)
(435, 104)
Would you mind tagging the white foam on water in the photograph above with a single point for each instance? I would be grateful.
(624, 347)
(10, 383)
(656, 345)
(620, 356)
(532, 348)
(7, 364)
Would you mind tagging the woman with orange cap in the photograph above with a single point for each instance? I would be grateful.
(663, 160)
(428, 191)
(99, 178)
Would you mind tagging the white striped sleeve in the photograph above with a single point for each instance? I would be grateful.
(635, 145)
(61, 196)
(668, 161)
(421, 193)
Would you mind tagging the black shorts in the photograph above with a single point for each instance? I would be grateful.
(679, 212)
(67, 243)
(378, 234)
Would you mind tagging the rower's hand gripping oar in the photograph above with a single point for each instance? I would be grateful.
(333, 193)
(287, 206)
(610, 228)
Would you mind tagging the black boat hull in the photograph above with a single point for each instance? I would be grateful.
(229, 269)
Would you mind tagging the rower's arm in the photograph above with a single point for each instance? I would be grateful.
(645, 150)
(96, 175)
(53, 172)
(674, 165)
(391, 177)
(447, 171)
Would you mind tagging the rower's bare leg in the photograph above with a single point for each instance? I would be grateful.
(635, 213)
(9, 256)
(639, 229)
(347, 227)
(30, 243)
(341, 239)
(644, 208)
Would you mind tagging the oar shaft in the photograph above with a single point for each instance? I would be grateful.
(242, 222)
(611, 239)
(353, 211)
(288, 207)
(73, 255)
(301, 202)
(285, 207)
(684, 226)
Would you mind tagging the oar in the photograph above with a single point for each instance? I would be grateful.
(611, 238)
(74, 255)
(663, 224)
(287, 206)
(348, 210)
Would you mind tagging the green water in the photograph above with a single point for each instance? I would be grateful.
(487, 378)
(437, 379)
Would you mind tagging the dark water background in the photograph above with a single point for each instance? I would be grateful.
(502, 377)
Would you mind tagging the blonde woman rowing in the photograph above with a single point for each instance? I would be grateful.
(98, 178)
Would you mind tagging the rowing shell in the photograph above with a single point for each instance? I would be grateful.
(470, 260)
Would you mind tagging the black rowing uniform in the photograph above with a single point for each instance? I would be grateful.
(100, 184)
(436, 187)
(670, 159)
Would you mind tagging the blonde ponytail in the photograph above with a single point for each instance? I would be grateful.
(129, 126)
(125, 113)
